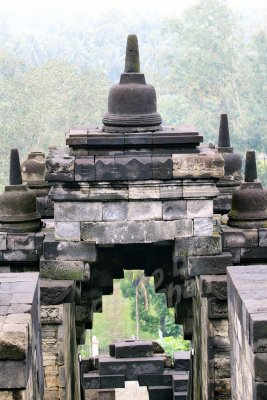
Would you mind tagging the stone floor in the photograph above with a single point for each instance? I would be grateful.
(132, 391)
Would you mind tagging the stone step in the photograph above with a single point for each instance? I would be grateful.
(131, 367)
(93, 380)
(180, 396)
(160, 392)
(180, 382)
(181, 360)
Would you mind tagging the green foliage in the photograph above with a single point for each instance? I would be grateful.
(202, 64)
(262, 171)
(37, 105)
(153, 311)
(172, 344)
(115, 321)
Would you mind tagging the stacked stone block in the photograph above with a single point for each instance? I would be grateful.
(61, 376)
(134, 360)
(248, 331)
(21, 363)
(20, 252)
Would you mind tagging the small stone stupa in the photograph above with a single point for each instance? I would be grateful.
(18, 212)
(132, 103)
(249, 203)
(232, 161)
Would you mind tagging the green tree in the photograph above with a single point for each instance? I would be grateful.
(148, 308)
(201, 80)
(39, 104)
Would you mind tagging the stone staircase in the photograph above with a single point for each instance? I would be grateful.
(135, 361)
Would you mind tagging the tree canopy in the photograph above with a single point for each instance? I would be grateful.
(202, 64)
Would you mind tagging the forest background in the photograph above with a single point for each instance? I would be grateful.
(210, 59)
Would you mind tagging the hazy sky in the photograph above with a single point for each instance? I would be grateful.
(32, 15)
(24, 7)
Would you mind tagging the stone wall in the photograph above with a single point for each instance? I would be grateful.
(21, 365)
(247, 302)
(60, 352)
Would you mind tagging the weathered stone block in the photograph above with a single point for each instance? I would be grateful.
(217, 308)
(180, 382)
(133, 349)
(106, 193)
(262, 237)
(84, 169)
(56, 292)
(199, 208)
(74, 270)
(156, 231)
(198, 246)
(199, 191)
(208, 265)
(67, 231)
(133, 167)
(203, 227)
(174, 209)
(181, 360)
(161, 167)
(13, 346)
(260, 362)
(160, 392)
(171, 190)
(21, 242)
(254, 253)
(76, 251)
(143, 191)
(258, 332)
(115, 211)
(144, 210)
(112, 381)
(13, 374)
(134, 232)
(105, 168)
(78, 211)
(214, 286)
(3, 241)
(198, 166)
(19, 255)
(131, 368)
(91, 380)
(237, 238)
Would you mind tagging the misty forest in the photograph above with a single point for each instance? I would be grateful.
(203, 63)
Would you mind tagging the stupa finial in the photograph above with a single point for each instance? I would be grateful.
(132, 61)
(224, 137)
(250, 166)
(15, 171)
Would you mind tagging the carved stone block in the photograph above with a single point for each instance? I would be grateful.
(161, 167)
(214, 286)
(57, 269)
(84, 169)
(217, 308)
(198, 166)
(133, 167)
(237, 238)
(105, 168)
